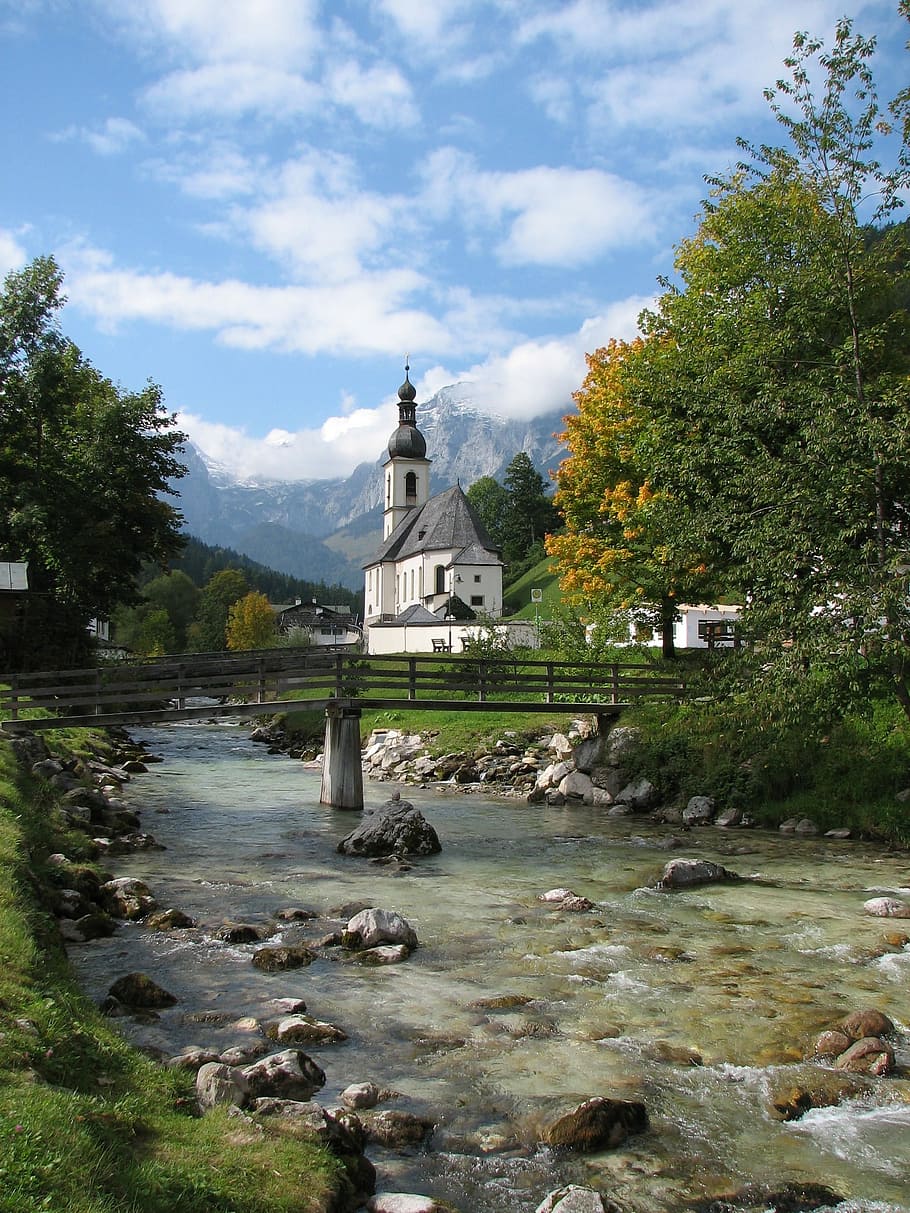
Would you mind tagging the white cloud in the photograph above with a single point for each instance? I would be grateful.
(552, 216)
(380, 96)
(232, 90)
(333, 449)
(114, 136)
(12, 255)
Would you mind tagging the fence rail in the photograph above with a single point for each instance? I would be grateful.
(248, 683)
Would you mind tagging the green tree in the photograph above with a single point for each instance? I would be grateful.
(208, 631)
(85, 469)
(777, 378)
(251, 623)
(179, 597)
(530, 513)
(156, 634)
(491, 501)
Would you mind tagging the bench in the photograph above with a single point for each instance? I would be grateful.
(440, 646)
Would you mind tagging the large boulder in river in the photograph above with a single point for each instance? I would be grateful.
(287, 1075)
(397, 828)
(574, 1199)
(686, 873)
(371, 928)
(597, 1124)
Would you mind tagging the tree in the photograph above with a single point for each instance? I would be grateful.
(530, 513)
(251, 623)
(616, 552)
(84, 472)
(777, 376)
(179, 597)
(207, 632)
(491, 501)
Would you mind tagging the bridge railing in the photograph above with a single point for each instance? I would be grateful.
(266, 677)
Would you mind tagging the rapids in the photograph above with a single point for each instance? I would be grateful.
(694, 1002)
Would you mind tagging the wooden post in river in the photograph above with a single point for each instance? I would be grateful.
(342, 773)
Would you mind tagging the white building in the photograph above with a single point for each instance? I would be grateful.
(435, 556)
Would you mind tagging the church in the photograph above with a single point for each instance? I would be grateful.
(436, 565)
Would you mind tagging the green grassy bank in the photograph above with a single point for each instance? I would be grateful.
(88, 1124)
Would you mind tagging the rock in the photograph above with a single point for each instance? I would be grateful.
(727, 820)
(556, 895)
(372, 927)
(597, 1124)
(170, 920)
(831, 1044)
(396, 1130)
(561, 746)
(565, 899)
(886, 907)
(620, 743)
(138, 990)
(841, 833)
(301, 1029)
(87, 928)
(403, 1202)
(699, 811)
(220, 1084)
(866, 1022)
(278, 959)
(685, 873)
(577, 786)
(127, 898)
(395, 829)
(384, 954)
(361, 1095)
(573, 1199)
(192, 1058)
(287, 1075)
(795, 1090)
(241, 932)
(640, 794)
(867, 1056)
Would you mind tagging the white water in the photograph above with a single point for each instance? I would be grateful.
(624, 998)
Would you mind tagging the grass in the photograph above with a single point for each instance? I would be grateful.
(87, 1124)
(517, 597)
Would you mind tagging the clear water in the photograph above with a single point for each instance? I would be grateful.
(693, 1002)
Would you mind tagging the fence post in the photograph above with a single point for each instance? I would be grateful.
(260, 681)
(98, 707)
(181, 697)
(481, 681)
(14, 695)
(412, 678)
(550, 677)
(615, 680)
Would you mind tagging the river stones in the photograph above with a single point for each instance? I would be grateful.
(290, 1074)
(574, 1199)
(127, 897)
(361, 1095)
(699, 811)
(397, 1130)
(220, 1084)
(138, 990)
(686, 873)
(795, 1090)
(241, 932)
(374, 927)
(404, 1202)
(886, 907)
(170, 920)
(397, 828)
(566, 899)
(597, 1124)
(868, 1021)
(302, 1029)
(278, 959)
(867, 1056)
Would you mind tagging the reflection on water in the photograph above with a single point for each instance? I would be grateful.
(693, 1002)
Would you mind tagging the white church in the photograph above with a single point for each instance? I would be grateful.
(435, 559)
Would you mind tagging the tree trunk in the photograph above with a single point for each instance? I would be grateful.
(667, 621)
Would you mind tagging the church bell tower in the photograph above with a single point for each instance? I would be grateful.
(407, 469)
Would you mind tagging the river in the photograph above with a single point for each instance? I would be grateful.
(694, 1002)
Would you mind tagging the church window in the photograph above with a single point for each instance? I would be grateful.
(476, 600)
(477, 577)
(388, 489)
(412, 583)
(440, 574)
(410, 488)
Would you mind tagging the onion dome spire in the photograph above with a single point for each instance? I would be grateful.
(407, 441)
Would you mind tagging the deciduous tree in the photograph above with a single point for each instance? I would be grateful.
(250, 623)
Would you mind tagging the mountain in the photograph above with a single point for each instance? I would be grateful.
(324, 530)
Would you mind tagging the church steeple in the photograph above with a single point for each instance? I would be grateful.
(407, 469)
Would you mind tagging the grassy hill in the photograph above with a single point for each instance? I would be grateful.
(517, 597)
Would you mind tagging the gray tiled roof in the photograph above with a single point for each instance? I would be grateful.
(446, 521)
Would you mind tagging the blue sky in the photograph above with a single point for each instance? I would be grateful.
(263, 204)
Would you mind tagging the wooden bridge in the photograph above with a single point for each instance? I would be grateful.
(340, 685)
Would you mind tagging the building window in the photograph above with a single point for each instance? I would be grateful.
(410, 488)
(477, 577)
(476, 600)
(388, 488)
(440, 574)
(412, 583)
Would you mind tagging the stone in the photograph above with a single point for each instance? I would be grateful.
(620, 743)
(360, 1095)
(577, 786)
(806, 827)
(290, 1074)
(170, 920)
(686, 873)
(192, 1058)
(384, 954)
(220, 1084)
(560, 745)
(867, 1056)
(403, 1202)
(138, 990)
(867, 1021)
(126, 897)
(241, 932)
(398, 828)
(301, 1029)
(640, 794)
(796, 1090)
(396, 1130)
(597, 1124)
(886, 907)
(278, 959)
(727, 820)
(574, 1199)
(699, 811)
(831, 1044)
(373, 927)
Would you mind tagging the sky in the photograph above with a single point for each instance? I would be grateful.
(265, 205)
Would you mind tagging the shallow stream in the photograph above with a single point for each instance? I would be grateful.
(694, 1002)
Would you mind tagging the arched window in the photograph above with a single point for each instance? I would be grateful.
(440, 573)
(388, 488)
(410, 488)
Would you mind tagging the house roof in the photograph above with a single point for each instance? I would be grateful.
(447, 522)
(14, 575)
(416, 614)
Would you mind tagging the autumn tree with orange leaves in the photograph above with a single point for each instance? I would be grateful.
(621, 547)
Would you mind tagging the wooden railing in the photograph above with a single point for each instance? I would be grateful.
(247, 683)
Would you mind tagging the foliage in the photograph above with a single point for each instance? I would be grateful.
(84, 470)
(621, 546)
(208, 631)
(251, 623)
(491, 501)
(530, 513)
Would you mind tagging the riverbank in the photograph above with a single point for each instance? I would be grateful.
(87, 1123)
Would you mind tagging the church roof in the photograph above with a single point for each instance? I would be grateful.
(447, 521)
(416, 614)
